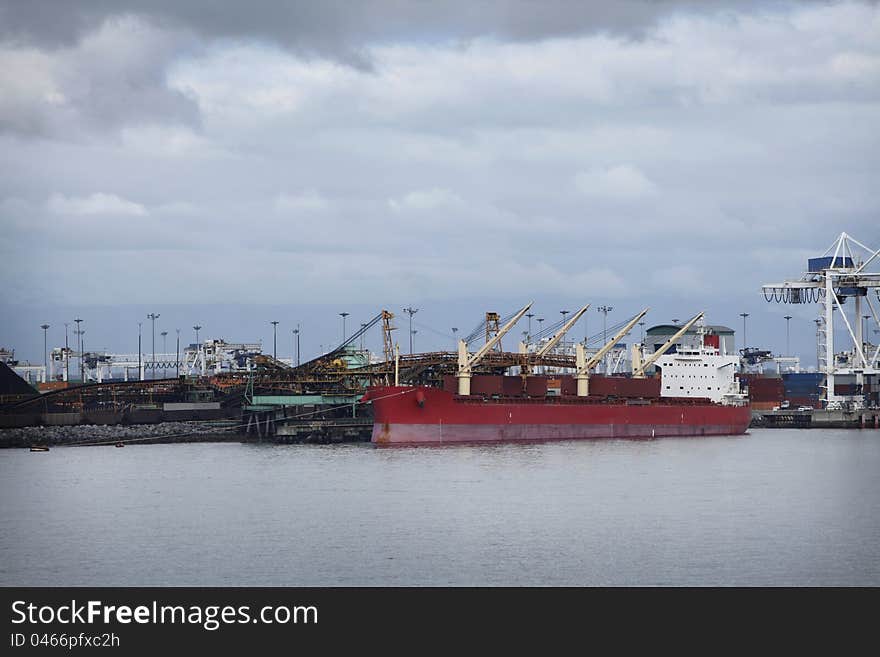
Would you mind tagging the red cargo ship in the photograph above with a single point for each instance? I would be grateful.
(695, 395)
(424, 415)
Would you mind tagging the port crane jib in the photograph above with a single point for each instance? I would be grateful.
(466, 361)
(552, 342)
(583, 366)
(640, 367)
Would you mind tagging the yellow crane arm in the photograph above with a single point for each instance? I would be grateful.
(561, 332)
(465, 362)
(596, 359)
(645, 364)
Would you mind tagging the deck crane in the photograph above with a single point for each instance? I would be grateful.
(583, 366)
(639, 366)
(552, 342)
(466, 361)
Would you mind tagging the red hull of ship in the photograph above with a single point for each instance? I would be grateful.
(421, 415)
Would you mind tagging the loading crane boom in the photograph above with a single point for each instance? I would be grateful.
(552, 342)
(583, 366)
(640, 367)
(466, 361)
(325, 359)
(599, 355)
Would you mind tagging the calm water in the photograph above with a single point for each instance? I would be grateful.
(780, 507)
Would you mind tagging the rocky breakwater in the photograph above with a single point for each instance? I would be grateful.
(96, 434)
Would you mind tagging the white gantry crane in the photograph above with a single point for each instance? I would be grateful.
(847, 269)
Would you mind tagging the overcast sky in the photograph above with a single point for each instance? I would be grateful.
(313, 157)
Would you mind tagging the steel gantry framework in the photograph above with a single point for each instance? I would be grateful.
(847, 269)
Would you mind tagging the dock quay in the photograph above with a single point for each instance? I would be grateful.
(817, 419)
(306, 418)
(339, 430)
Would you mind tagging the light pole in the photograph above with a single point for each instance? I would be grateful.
(343, 315)
(274, 340)
(605, 310)
(787, 334)
(412, 335)
(745, 342)
(153, 317)
(540, 326)
(197, 328)
(363, 326)
(177, 354)
(642, 324)
(164, 351)
(563, 313)
(296, 333)
(139, 352)
(79, 340)
(455, 337)
(530, 315)
(410, 311)
(45, 328)
(66, 354)
(865, 330)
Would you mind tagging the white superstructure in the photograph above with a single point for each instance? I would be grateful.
(700, 371)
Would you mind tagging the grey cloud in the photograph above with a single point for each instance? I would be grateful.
(339, 28)
(114, 75)
(447, 170)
